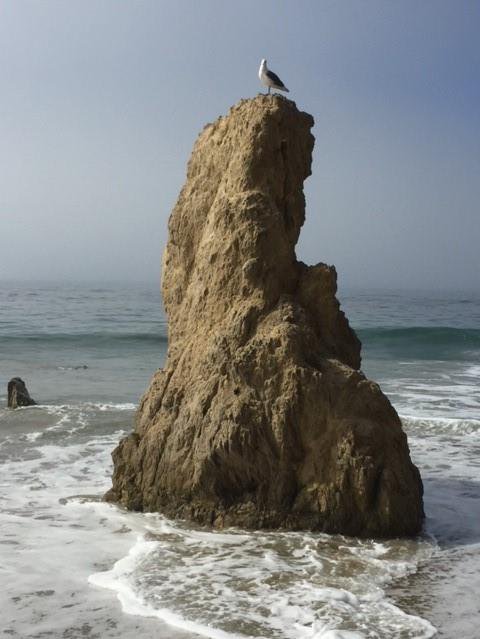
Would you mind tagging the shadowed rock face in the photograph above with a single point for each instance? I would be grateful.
(17, 394)
(261, 417)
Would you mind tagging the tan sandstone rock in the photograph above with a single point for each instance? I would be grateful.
(261, 417)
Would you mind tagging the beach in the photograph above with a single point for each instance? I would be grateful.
(75, 566)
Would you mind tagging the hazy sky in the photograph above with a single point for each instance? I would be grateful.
(101, 101)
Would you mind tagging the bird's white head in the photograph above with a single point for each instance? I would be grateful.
(263, 63)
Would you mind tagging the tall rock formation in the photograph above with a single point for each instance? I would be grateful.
(261, 417)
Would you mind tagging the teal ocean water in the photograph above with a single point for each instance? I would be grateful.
(73, 566)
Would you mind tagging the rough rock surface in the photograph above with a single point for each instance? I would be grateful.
(17, 394)
(261, 417)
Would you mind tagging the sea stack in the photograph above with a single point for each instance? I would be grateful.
(261, 417)
(17, 394)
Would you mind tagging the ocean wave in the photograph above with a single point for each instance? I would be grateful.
(83, 339)
(62, 408)
(102, 406)
(414, 342)
(422, 342)
(441, 425)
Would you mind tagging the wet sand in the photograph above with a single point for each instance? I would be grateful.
(442, 591)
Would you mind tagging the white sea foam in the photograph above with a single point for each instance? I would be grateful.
(275, 585)
(432, 389)
(118, 406)
(55, 465)
(262, 584)
(473, 371)
(338, 634)
(31, 437)
(118, 579)
(102, 406)
(441, 425)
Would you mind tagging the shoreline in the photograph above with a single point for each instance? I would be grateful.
(441, 591)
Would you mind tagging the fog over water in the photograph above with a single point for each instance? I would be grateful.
(101, 103)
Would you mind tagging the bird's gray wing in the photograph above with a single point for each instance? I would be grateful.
(274, 78)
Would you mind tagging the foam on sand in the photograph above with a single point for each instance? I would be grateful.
(229, 585)
(264, 584)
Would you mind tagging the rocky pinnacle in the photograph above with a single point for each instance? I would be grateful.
(261, 417)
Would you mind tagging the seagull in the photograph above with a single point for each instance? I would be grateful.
(269, 78)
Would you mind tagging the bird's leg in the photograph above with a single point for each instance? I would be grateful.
(268, 92)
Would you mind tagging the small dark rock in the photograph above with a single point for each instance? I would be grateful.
(18, 394)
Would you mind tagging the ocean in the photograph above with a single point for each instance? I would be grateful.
(73, 566)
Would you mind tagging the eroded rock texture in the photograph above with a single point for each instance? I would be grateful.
(17, 394)
(261, 417)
